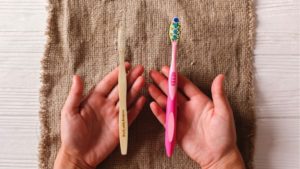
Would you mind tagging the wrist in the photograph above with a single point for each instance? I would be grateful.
(65, 160)
(232, 159)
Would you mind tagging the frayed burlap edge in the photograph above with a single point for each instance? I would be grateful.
(44, 152)
(250, 75)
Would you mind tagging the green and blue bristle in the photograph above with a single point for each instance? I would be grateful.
(174, 31)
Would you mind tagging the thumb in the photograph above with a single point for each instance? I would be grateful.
(220, 100)
(75, 95)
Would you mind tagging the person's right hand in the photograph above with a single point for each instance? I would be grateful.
(89, 125)
(205, 127)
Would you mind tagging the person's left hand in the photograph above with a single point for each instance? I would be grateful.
(89, 127)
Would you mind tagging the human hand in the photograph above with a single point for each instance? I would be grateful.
(205, 128)
(89, 127)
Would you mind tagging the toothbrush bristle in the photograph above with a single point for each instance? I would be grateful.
(174, 31)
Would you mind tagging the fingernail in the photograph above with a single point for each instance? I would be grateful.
(149, 86)
(141, 66)
(150, 73)
(140, 78)
(73, 78)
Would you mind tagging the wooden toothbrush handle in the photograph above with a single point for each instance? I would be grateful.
(123, 120)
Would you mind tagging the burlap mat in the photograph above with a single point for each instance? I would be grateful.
(217, 37)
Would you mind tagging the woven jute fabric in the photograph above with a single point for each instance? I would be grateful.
(217, 37)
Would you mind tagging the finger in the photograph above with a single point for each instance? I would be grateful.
(136, 109)
(188, 88)
(75, 95)
(220, 100)
(109, 81)
(158, 112)
(135, 90)
(162, 83)
(131, 78)
(157, 95)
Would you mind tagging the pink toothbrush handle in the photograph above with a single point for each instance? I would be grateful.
(170, 135)
(171, 112)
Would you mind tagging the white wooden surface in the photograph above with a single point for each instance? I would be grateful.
(277, 62)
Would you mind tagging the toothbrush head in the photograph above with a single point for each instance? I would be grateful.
(174, 31)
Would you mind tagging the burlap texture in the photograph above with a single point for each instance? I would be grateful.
(217, 37)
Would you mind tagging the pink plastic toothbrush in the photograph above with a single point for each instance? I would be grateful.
(171, 112)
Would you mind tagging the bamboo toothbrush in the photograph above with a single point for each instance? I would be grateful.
(122, 84)
(171, 112)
